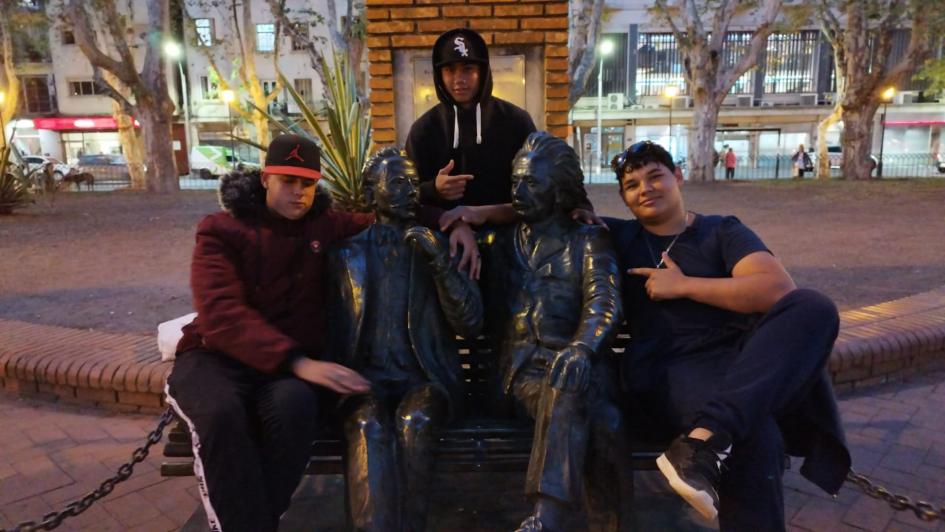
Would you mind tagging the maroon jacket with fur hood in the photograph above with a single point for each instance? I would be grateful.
(258, 279)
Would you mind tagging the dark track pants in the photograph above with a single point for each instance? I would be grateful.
(252, 436)
(742, 390)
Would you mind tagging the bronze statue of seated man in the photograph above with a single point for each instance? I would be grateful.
(396, 306)
(552, 288)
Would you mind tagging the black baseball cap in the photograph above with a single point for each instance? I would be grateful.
(460, 44)
(293, 155)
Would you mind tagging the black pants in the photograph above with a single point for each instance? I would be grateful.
(729, 173)
(742, 390)
(252, 436)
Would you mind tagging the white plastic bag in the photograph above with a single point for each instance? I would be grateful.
(169, 334)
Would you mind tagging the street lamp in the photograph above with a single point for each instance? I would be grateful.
(173, 51)
(228, 96)
(888, 94)
(606, 47)
(670, 92)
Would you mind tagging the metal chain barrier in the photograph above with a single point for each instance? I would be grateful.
(925, 511)
(74, 508)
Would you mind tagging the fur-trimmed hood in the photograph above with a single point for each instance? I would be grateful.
(242, 195)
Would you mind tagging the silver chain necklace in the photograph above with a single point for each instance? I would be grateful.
(646, 240)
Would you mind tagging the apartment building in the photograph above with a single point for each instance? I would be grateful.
(770, 110)
(63, 114)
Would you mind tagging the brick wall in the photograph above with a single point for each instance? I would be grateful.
(399, 24)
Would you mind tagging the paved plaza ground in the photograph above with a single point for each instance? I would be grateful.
(120, 261)
(54, 454)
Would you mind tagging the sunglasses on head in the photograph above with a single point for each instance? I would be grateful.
(637, 148)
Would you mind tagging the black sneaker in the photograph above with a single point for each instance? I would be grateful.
(693, 468)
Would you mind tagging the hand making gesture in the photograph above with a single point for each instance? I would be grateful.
(663, 283)
(451, 187)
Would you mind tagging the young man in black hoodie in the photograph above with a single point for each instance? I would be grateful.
(463, 147)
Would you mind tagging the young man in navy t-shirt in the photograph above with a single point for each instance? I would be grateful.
(726, 355)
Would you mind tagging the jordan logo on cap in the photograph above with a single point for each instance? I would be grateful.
(294, 154)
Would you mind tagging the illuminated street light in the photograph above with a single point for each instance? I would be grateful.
(606, 47)
(887, 96)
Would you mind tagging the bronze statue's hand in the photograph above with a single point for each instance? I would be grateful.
(424, 241)
(571, 370)
(335, 377)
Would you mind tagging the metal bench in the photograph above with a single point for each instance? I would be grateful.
(488, 438)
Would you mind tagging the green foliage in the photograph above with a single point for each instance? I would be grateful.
(933, 71)
(342, 129)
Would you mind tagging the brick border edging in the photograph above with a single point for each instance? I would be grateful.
(116, 371)
(889, 341)
(123, 372)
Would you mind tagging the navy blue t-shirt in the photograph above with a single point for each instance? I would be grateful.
(710, 247)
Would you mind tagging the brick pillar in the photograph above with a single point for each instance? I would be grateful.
(395, 24)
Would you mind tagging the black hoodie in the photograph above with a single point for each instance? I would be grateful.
(484, 147)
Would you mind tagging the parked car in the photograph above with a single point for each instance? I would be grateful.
(210, 162)
(835, 154)
(36, 163)
(105, 167)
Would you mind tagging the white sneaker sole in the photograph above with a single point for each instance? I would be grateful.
(699, 500)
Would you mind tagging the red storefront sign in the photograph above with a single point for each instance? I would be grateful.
(78, 123)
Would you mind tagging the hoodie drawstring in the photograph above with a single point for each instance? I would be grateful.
(478, 124)
(456, 125)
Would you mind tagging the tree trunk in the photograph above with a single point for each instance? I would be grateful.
(705, 118)
(130, 147)
(263, 137)
(823, 157)
(156, 127)
(857, 141)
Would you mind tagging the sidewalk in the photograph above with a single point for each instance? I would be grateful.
(53, 454)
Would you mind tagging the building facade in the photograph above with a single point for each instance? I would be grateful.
(63, 114)
(770, 111)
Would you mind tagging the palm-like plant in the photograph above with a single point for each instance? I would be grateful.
(14, 187)
(342, 129)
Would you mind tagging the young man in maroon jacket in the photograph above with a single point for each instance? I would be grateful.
(247, 367)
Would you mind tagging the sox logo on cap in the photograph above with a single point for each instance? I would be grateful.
(461, 46)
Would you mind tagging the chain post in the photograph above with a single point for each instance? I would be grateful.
(74, 508)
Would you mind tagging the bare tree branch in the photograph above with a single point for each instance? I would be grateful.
(112, 92)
